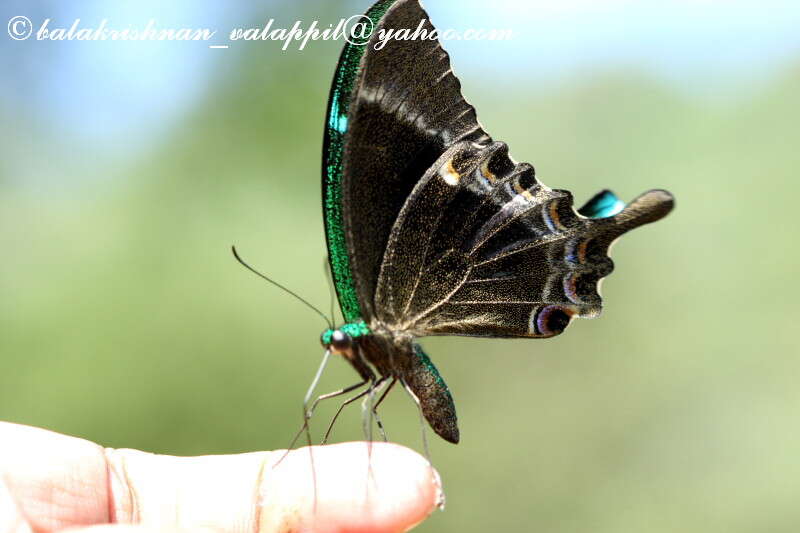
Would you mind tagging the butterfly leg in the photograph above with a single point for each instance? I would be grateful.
(307, 416)
(310, 411)
(313, 385)
(375, 409)
(368, 413)
(307, 412)
(304, 428)
(345, 404)
(334, 394)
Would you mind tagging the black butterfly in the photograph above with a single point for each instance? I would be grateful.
(433, 229)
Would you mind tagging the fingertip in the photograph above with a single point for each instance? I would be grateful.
(353, 487)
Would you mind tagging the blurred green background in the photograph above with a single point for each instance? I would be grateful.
(128, 169)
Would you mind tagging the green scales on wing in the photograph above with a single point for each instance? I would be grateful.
(332, 167)
(432, 228)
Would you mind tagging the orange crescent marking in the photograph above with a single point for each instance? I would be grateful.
(554, 215)
(486, 173)
(582, 251)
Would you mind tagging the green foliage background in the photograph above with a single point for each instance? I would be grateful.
(125, 320)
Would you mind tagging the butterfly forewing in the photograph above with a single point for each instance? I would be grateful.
(405, 110)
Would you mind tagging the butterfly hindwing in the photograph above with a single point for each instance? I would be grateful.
(482, 248)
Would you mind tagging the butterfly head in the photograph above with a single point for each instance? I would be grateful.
(336, 340)
(342, 339)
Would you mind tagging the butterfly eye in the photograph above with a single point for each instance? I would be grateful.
(552, 320)
(340, 341)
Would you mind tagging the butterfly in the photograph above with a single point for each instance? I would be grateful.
(433, 229)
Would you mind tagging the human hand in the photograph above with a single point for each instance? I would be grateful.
(52, 482)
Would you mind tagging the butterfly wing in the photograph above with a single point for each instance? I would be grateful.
(432, 228)
(482, 248)
(392, 113)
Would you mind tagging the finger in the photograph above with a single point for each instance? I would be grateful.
(250, 492)
(54, 480)
(349, 489)
(61, 481)
(11, 519)
(121, 528)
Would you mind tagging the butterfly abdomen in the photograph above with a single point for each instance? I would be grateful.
(396, 355)
(434, 397)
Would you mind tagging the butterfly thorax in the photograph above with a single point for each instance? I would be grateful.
(375, 350)
(378, 351)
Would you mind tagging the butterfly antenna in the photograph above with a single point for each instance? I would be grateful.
(257, 273)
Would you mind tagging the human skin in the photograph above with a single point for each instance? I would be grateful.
(53, 482)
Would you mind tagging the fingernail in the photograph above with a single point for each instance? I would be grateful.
(437, 484)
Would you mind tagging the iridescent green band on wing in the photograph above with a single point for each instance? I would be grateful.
(332, 166)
